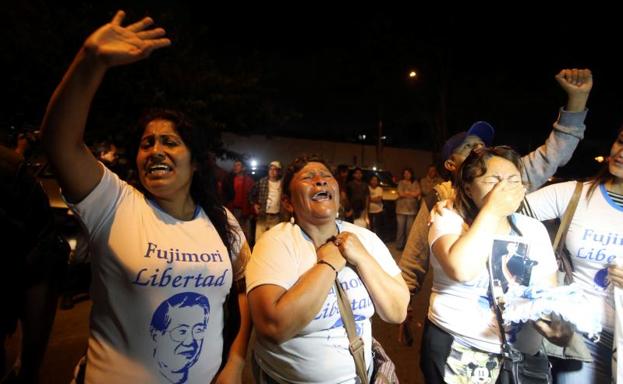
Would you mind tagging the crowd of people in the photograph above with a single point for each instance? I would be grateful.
(186, 260)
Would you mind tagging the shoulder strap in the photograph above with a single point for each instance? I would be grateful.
(559, 240)
(568, 215)
(495, 294)
(355, 342)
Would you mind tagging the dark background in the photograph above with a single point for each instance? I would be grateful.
(311, 70)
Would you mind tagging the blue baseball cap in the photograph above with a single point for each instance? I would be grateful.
(481, 129)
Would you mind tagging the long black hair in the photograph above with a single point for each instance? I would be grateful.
(604, 175)
(203, 186)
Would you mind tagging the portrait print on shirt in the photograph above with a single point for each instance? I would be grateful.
(178, 327)
(510, 263)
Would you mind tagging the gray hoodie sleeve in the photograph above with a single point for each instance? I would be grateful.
(542, 163)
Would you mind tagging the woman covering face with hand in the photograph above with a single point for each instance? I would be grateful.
(461, 338)
(290, 278)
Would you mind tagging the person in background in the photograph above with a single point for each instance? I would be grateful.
(375, 207)
(358, 194)
(429, 181)
(266, 198)
(345, 211)
(241, 185)
(406, 206)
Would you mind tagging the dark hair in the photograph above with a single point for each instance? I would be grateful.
(410, 171)
(203, 186)
(296, 165)
(101, 147)
(604, 175)
(475, 165)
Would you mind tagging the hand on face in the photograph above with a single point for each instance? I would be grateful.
(504, 199)
(117, 45)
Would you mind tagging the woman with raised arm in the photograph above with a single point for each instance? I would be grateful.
(164, 257)
(595, 247)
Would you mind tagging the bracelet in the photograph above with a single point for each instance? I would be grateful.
(329, 264)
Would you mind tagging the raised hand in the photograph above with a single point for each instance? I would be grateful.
(114, 45)
(575, 80)
(578, 84)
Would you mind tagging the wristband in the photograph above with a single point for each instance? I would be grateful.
(329, 264)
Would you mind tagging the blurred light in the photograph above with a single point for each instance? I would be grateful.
(412, 74)
(362, 137)
(600, 159)
(374, 168)
(253, 163)
(383, 137)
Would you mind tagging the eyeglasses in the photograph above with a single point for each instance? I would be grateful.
(180, 333)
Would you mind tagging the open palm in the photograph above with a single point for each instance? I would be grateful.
(117, 45)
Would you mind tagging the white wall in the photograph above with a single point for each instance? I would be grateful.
(284, 149)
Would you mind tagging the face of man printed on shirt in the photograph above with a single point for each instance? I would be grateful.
(179, 347)
(511, 264)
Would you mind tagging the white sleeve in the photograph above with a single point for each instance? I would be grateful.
(549, 202)
(272, 262)
(448, 223)
(381, 254)
(98, 207)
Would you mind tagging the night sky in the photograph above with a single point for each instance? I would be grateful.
(312, 70)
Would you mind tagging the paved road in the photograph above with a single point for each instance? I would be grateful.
(69, 338)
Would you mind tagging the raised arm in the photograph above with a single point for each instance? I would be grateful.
(64, 122)
(542, 163)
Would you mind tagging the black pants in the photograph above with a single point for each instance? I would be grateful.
(436, 345)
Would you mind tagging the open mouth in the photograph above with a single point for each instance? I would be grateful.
(322, 196)
(158, 169)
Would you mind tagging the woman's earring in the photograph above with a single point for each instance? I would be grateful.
(292, 220)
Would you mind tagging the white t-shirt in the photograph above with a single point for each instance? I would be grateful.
(274, 196)
(319, 353)
(375, 207)
(462, 309)
(594, 239)
(158, 288)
